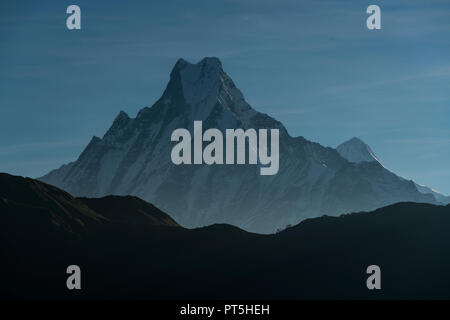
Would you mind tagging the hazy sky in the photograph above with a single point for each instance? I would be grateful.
(311, 64)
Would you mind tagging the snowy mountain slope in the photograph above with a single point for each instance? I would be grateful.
(357, 151)
(442, 199)
(133, 158)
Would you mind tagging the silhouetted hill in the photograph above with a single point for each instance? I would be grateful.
(322, 258)
(404, 217)
(129, 210)
(26, 202)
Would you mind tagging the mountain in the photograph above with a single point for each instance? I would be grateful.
(440, 198)
(133, 158)
(125, 257)
(356, 151)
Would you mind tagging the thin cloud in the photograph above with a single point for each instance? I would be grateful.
(39, 146)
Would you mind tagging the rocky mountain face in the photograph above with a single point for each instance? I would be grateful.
(133, 158)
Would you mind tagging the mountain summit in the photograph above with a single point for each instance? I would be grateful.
(357, 151)
(208, 94)
(133, 158)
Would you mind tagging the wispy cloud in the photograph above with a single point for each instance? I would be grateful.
(438, 72)
(9, 150)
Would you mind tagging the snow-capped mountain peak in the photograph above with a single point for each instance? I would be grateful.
(207, 89)
(201, 81)
(357, 151)
(133, 158)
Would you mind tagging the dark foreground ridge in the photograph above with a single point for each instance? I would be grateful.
(129, 210)
(127, 248)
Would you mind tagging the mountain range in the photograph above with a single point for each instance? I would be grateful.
(133, 158)
(128, 249)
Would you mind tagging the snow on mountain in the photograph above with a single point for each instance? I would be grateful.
(355, 150)
(442, 199)
(133, 158)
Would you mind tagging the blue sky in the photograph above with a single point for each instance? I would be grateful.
(311, 64)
